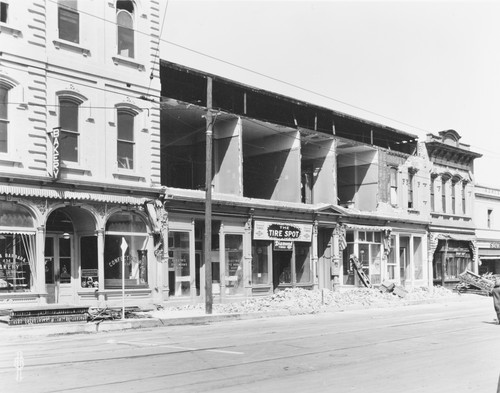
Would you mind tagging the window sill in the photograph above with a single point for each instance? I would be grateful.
(125, 61)
(71, 46)
(6, 160)
(128, 175)
(4, 28)
(74, 168)
(451, 216)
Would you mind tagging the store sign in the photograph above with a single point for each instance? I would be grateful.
(280, 245)
(266, 230)
(55, 153)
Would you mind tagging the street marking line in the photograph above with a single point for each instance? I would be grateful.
(150, 345)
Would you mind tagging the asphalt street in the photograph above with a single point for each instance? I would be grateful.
(450, 347)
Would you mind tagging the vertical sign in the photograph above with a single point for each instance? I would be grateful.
(124, 247)
(55, 153)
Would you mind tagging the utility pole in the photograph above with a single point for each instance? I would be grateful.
(208, 202)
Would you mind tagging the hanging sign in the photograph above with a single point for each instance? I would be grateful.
(55, 153)
(267, 230)
(280, 245)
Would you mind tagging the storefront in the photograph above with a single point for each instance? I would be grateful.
(70, 247)
(489, 257)
(281, 255)
(386, 254)
(452, 254)
(18, 252)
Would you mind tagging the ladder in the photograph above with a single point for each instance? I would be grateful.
(359, 270)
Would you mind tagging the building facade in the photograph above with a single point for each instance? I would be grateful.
(487, 223)
(79, 150)
(452, 237)
(103, 161)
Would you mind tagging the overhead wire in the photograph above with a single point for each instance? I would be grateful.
(160, 39)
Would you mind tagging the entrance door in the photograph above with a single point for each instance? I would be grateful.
(58, 269)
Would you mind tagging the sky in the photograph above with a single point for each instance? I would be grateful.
(418, 66)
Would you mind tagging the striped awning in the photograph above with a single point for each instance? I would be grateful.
(70, 195)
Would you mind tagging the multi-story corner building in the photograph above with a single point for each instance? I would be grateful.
(452, 238)
(79, 150)
(487, 223)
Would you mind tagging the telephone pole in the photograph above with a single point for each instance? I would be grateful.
(208, 202)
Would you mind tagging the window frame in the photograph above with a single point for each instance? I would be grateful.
(4, 12)
(123, 31)
(393, 186)
(132, 142)
(76, 132)
(71, 12)
(4, 121)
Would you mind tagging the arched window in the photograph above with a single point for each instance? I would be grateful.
(125, 229)
(4, 118)
(68, 132)
(125, 24)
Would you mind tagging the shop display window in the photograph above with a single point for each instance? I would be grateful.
(132, 229)
(234, 264)
(17, 253)
(260, 262)
(88, 253)
(179, 270)
(302, 262)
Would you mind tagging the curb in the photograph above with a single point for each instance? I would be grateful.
(148, 323)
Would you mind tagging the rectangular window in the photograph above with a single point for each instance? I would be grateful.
(418, 262)
(88, 258)
(489, 218)
(302, 262)
(453, 201)
(4, 94)
(68, 138)
(135, 261)
(69, 21)
(125, 146)
(443, 195)
(391, 261)
(16, 257)
(410, 190)
(3, 12)
(234, 264)
(464, 205)
(260, 262)
(432, 194)
(179, 272)
(394, 186)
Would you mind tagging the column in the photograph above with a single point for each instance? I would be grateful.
(39, 279)
(314, 254)
(100, 264)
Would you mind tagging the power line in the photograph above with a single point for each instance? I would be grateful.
(255, 72)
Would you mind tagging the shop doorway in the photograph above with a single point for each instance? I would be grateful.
(282, 268)
(58, 268)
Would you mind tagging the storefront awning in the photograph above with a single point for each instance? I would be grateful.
(70, 195)
(489, 253)
(373, 228)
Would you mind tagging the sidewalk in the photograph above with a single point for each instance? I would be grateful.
(191, 317)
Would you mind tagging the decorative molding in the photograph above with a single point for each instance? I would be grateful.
(71, 46)
(10, 30)
(119, 60)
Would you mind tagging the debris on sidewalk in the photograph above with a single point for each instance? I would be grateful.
(474, 283)
(304, 301)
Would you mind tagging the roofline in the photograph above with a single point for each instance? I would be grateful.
(180, 67)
